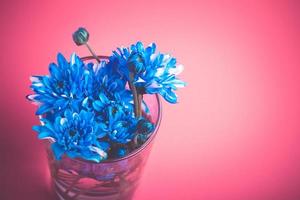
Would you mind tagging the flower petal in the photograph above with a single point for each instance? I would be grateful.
(55, 71)
(57, 150)
(45, 135)
(43, 109)
(98, 105)
(177, 70)
(75, 60)
(62, 62)
(100, 152)
(168, 95)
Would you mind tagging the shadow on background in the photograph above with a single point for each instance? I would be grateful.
(24, 172)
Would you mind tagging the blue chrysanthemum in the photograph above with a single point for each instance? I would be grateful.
(118, 122)
(121, 128)
(66, 87)
(121, 101)
(74, 134)
(107, 87)
(153, 72)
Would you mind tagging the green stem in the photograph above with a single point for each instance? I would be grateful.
(135, 95)
(140, 99)
(92, 52)
(137, 100)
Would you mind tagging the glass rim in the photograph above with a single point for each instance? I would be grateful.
(148, 141)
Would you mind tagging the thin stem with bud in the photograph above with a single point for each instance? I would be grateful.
(92, 52)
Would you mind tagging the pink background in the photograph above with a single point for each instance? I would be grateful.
(235, 133)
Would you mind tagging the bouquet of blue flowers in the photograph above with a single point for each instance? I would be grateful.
(96, 111)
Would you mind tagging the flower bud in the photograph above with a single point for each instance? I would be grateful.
(81, 36)
(144, 127)
(136, 63)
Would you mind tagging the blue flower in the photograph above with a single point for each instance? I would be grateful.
(154, 72)
(107, 87)
(119, 101)
(66, 87)
(74, 134)
(118, 123)
(116, 118)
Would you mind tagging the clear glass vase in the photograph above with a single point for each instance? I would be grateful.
(79, 179)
